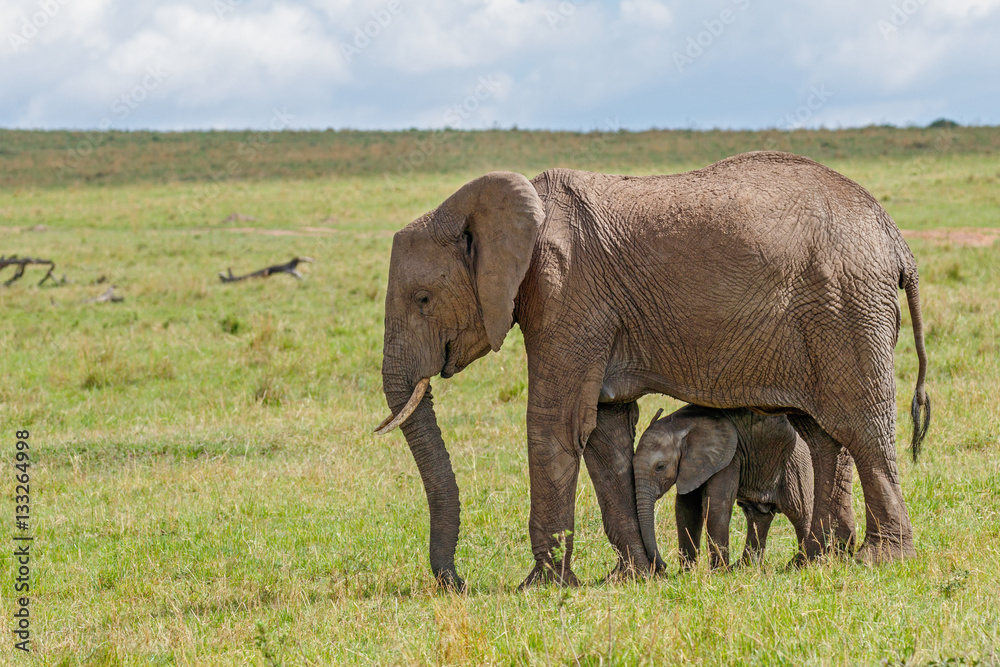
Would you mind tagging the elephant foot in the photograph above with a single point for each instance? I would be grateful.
(549, 573)
(750, 560)
(450, 581)
(627, 571)
(844, 541)
(687, 565)
(838, 543)
(629, 567)
(798, 562)
(721, 567)
(884, 550)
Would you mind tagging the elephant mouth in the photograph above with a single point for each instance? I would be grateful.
(450, 366)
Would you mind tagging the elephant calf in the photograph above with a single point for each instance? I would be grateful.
(717, 457)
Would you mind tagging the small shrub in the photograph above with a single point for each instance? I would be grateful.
(511, 392)
(943, 123)
(103, 368)
(269, 391)
(955, 583)
(231, 325)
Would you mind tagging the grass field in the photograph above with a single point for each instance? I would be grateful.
(205, 488)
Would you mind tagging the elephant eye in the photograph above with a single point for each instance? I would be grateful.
(660, 467)
(422, 298)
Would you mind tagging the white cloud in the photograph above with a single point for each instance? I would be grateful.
(440, 35)
(235, 56)
(965, 9)
(576, 64)
(650, 13)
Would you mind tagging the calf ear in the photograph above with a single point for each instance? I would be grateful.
(708, 448)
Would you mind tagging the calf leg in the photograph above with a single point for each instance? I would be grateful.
(758, 525)
(720, 494)
(688, 512)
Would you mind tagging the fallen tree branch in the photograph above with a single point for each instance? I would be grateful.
(288, 267)
(109, 295)
(239, 217)
(21, 263)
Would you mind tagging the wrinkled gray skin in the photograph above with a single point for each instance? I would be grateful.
(718, 457)
(765, 280)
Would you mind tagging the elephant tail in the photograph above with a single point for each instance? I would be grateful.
(920, 407)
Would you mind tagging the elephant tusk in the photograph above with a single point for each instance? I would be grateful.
(384, 422)
(390, 423)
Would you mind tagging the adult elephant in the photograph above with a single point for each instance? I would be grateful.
(765, 280)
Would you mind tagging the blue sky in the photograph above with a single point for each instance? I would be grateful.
(554, 64)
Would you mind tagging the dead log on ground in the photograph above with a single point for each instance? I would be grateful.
(288, 267)
(108, 296)
(239, 217)
(21, 263)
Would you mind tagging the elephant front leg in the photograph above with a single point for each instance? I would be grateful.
(720, 496)
(609, 462)
(689, 517)
(553, 467)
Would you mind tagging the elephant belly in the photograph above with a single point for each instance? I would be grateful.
(765, 501)
(620, 390)
(625, 386)
(758, 508)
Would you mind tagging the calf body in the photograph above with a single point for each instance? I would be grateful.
(718, 458)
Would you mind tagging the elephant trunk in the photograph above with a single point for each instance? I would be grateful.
(424, 439)
(644, 501)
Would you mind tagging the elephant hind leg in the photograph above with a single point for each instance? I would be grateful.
(758, 526)
(888, 533)
(832, 525)
(608, 456)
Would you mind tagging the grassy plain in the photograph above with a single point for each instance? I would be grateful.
(206, 489)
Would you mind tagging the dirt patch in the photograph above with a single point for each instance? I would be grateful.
(18, 230)
(965, 236)
(305, 231)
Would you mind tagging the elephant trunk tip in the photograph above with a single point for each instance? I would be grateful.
(391, 422)
(647, 528)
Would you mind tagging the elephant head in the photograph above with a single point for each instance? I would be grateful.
(454, 274)
(677, 450)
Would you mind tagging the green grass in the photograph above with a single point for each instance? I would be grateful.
(48, 159)
(206, 489)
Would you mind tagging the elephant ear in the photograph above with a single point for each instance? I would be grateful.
(708, 448)
(495, 220)
(655, 417)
